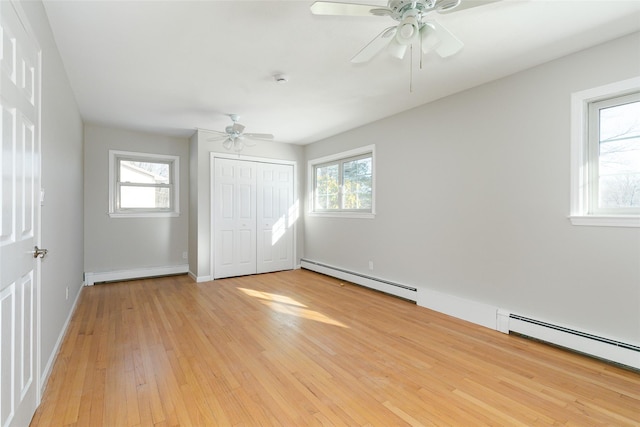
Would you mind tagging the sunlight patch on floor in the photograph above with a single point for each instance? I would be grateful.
(287, 305)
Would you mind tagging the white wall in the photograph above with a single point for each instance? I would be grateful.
(200, 193)
(473, 199)
(117, 244)
(62, 176)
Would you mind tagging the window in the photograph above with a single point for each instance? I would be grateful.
(343, 184)
(614, 155)
(143, 184)
(606, 155)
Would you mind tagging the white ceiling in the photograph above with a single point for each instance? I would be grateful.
(174, 66)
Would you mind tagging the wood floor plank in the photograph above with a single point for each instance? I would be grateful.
(297, 348)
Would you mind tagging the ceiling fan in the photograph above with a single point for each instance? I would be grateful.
(415, 26)
(235, 137)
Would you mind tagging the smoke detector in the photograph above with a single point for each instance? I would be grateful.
(280, 78)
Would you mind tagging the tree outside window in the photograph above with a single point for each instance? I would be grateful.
(344, 184)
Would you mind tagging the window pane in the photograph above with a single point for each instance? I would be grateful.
(132, 197)
(327, 187)
(144, 172)
(357, 184)
(619, 157)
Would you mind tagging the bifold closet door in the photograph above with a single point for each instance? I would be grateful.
(253, 216)
(276, 213)
(234, 218)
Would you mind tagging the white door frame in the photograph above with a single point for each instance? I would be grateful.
(213, 156)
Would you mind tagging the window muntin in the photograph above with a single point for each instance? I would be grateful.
(143, 184)
(614, 155)
(343, 184)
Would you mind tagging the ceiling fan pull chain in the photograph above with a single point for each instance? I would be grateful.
(420, 50)
(411, 69)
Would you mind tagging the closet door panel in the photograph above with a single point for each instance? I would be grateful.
(275, 226)
(234, 218)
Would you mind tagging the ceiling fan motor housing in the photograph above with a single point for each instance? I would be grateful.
(402, 9)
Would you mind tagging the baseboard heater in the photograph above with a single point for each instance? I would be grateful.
(91, 278)
(594, 345)
(386, 286)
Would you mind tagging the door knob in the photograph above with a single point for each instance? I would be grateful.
(39, 253)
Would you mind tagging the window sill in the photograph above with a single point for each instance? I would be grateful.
(359, 215)
(606, 220)
(143, 214)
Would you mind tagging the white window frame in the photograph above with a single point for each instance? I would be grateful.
(115, 156)
(582, 187)
(338, 157)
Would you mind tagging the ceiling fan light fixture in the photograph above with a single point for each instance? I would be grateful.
(396, 49)
(407, 30)
(429, 40)
(233, 136)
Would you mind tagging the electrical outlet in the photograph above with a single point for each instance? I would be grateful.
(66, 293)
(371, 265)
(185, 254)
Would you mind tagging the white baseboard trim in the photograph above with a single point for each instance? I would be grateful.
(44, 376)
(472, 311)
(382, 285)
(109, 276)
(199, 279)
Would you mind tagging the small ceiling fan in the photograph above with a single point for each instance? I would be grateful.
(235, 137)
(415, 25)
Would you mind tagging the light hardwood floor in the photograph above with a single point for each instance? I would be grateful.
(297, 348)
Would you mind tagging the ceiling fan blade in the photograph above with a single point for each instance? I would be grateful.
(349, 9)
(466, 4)
(214, 131)
(447, 44)
(217, 138)
(267, 136)
(249, 142)
(375, 45)
(237, 127)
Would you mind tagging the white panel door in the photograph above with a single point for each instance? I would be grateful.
(234, 218)
(276, 215)
(19, 219)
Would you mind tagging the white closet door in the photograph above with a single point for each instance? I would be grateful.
(276, 214)
(19, 219)
(234, 218)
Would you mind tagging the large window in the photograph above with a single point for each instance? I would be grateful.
(143, 184)
(343, 184)
(606, 156)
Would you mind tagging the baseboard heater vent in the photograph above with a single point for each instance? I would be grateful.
(606, 348)
(397, 289)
